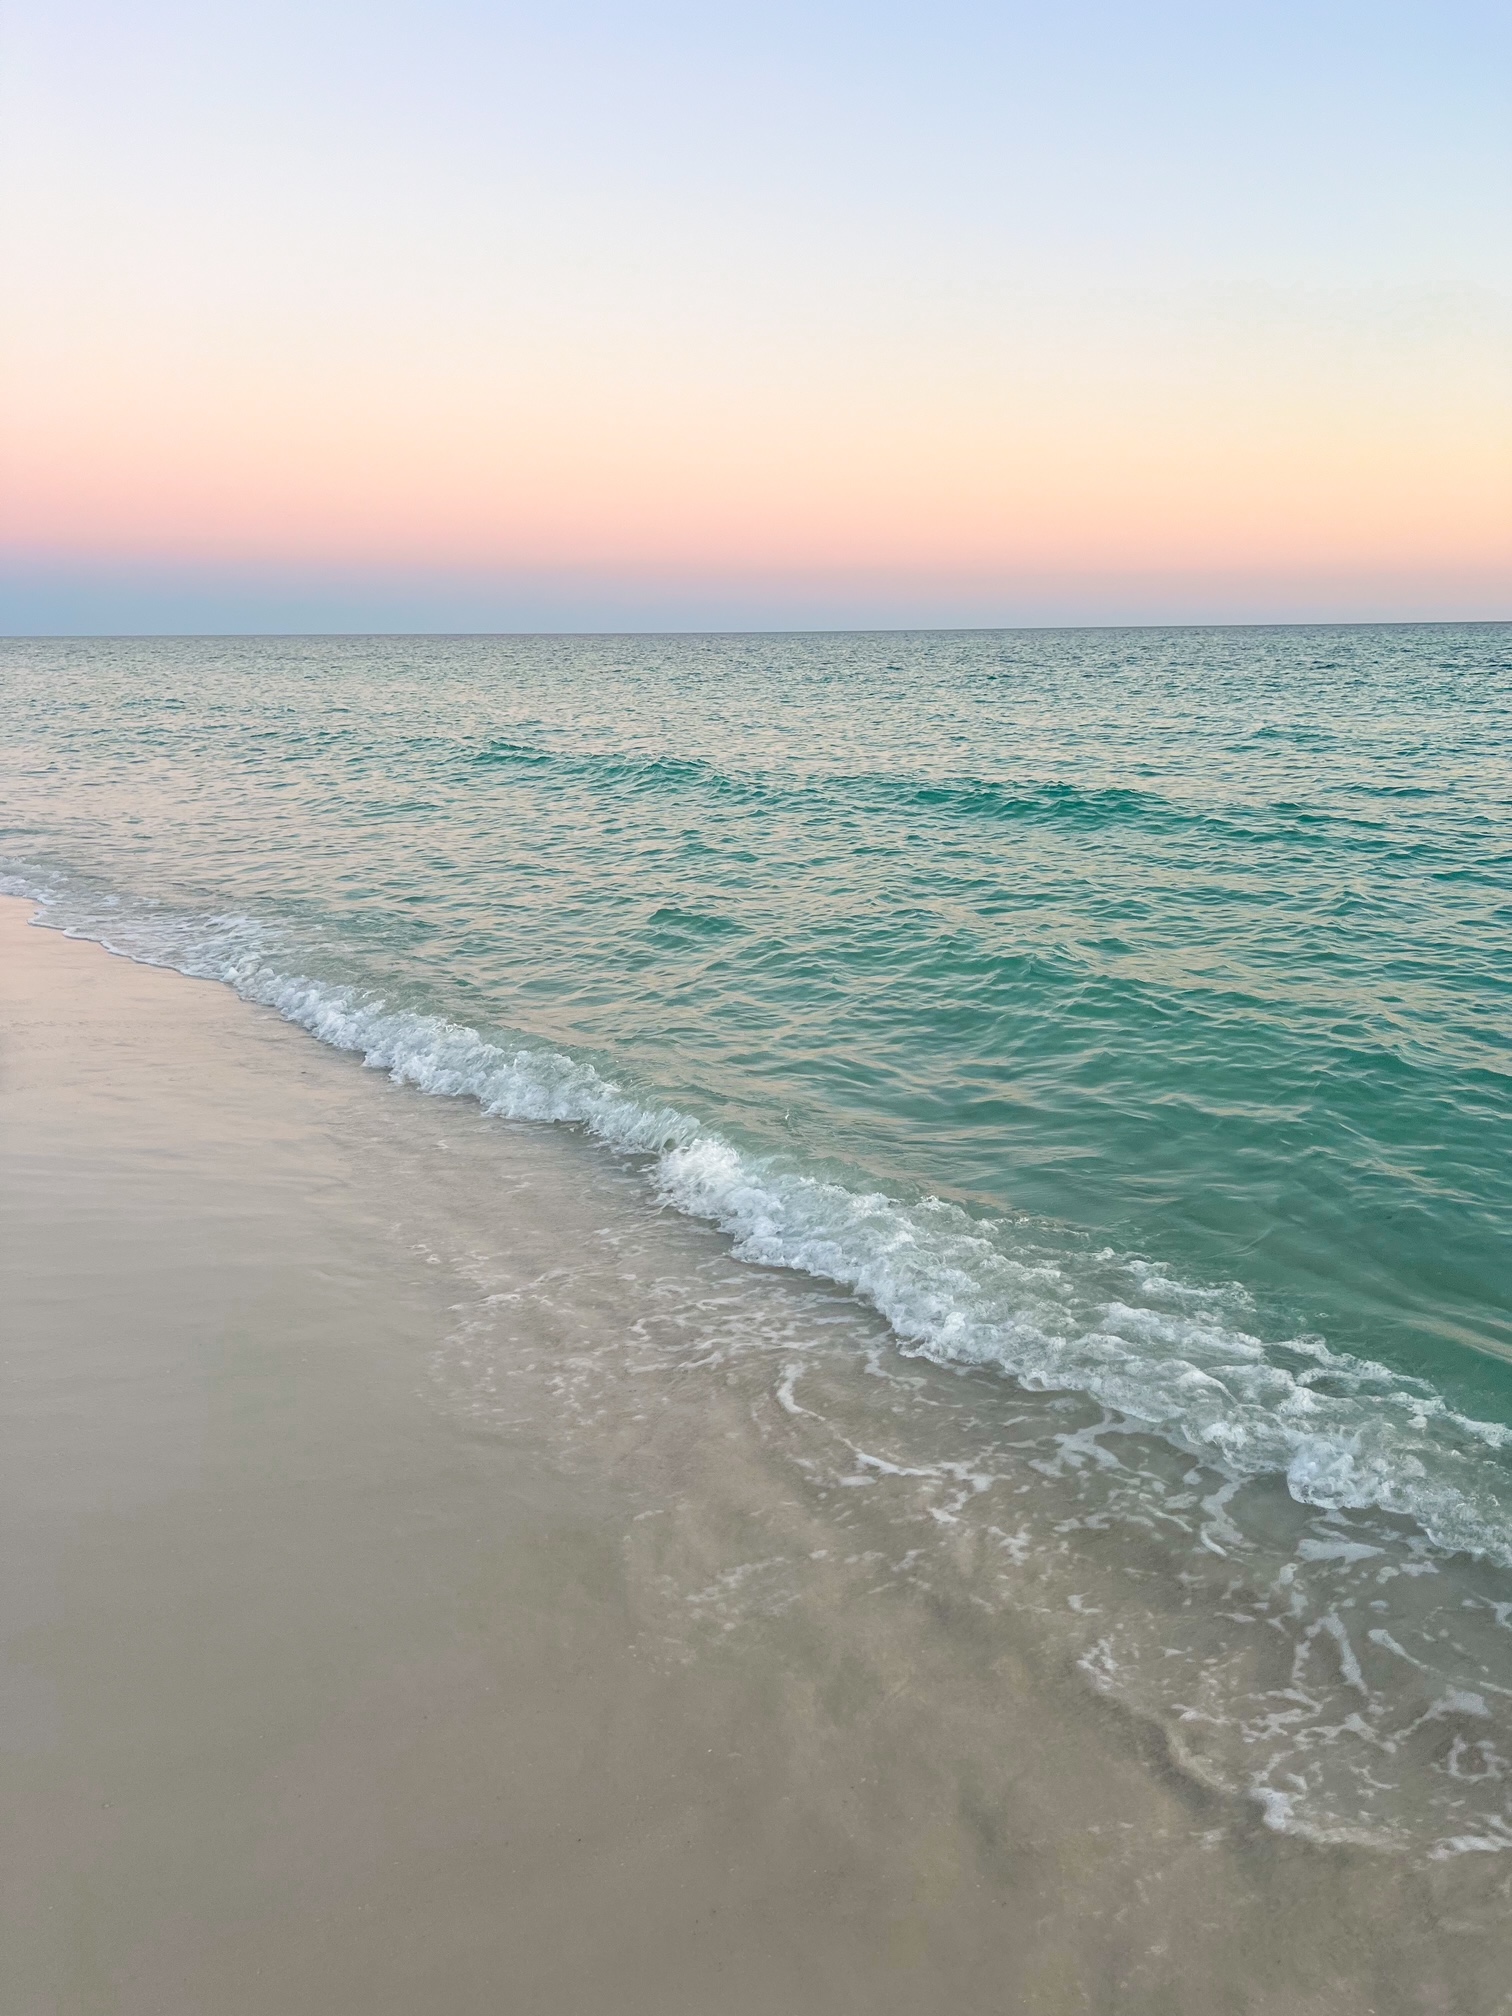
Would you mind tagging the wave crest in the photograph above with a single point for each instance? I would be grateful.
(1345, 1433)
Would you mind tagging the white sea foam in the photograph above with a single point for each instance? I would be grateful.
(1344, 1433)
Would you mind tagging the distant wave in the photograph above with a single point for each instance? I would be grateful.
(970, 798)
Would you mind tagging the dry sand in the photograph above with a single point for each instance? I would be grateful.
(351, 1653)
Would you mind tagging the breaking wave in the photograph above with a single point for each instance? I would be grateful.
(1177, 1359)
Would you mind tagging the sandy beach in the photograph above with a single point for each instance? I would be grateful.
(373, 1635)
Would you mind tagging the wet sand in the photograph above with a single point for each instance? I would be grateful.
(368, 1642)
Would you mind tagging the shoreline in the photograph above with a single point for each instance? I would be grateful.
(364, 1653)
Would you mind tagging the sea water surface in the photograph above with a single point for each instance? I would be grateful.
(1125, 1016)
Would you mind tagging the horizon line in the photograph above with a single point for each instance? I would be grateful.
(772, 630)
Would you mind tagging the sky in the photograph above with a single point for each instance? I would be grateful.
(658, 316)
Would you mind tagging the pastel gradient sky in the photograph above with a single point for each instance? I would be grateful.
(598, 315)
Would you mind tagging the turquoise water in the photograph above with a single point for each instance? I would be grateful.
(1200, 942)
(1127, 1012)
(1197, 944)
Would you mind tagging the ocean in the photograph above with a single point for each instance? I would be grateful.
(1120, 1021)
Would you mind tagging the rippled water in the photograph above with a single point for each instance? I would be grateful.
(1125, 1014)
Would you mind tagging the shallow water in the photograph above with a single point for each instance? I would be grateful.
(1124, 1017)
